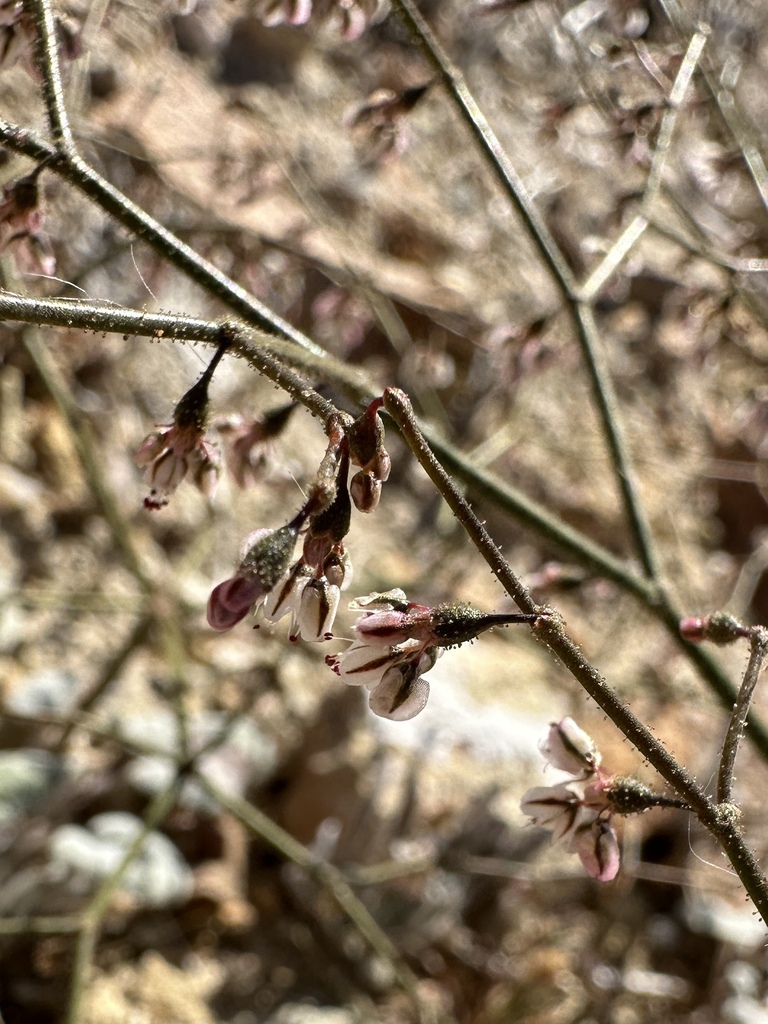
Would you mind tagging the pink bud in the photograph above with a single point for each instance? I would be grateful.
(693, 629)
(395, 627)
(365, 491)
(598, 848)
(231, 601)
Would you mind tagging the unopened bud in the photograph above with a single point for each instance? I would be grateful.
(718, 628)
(365, 490)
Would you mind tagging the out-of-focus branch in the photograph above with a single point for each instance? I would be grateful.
(591, 288)
(93, 916)
(326, 875)
(581, 313)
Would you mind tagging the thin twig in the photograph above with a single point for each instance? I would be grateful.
(73, 169)
(108, 673)
(85, 446)
(738, 124)
(268, 355)
(735, 731)
(50, 71)
(39, 925)
(635, 229)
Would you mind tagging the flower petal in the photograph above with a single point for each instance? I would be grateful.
(552, 807)
(362, 665)
(401, 694)
(569, 748)
(285, 596)
(598, 848)
(319, 602)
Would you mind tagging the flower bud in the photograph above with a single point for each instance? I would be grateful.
(718, 628)
(231, 601)
(319, 603)
(365, 490)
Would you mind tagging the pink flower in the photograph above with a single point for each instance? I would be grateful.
(400, 640)
(181, 448)
(170, 454)
(251, 443)
(577, 813)
(570, 749)
(380, 123)
(350, 16)
(258, 574)
(308, 590)
(392, 674)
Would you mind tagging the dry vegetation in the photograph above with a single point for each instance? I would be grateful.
(387, 241)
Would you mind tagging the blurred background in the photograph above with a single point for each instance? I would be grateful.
(368, 219)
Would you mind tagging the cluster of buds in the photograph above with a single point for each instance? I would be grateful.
(366, 449)
(21, 222)
(309, 589)
(578, 813)
(180, 449)
(352, 17)
(397, 641)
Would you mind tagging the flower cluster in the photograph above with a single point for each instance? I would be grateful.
(308, 589)
(351, 17)
(180, 449)
(399, 640)
(579, 812)
(385, 659)
(176, 451)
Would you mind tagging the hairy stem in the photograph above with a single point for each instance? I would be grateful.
(552, 633)
(735, 731)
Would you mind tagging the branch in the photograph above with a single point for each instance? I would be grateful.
(94, 914)
(636, 227)
(735, 731)
(73, 169)
(50, 71)
(327, 875)
(550, 631)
